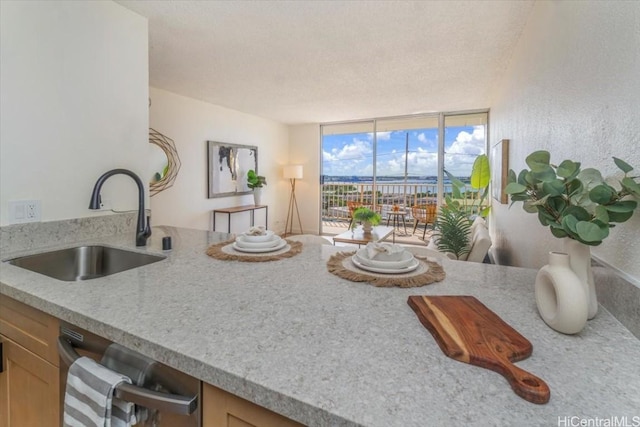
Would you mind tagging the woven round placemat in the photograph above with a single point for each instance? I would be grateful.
(427, 272)
(225, 251)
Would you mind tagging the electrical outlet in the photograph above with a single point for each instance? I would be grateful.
(21, 211)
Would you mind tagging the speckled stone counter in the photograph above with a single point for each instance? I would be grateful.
(324, 351)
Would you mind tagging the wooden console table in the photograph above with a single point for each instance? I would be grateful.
(237, 209)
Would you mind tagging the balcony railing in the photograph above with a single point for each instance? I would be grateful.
(336, 195)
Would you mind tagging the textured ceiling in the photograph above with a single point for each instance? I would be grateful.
(320, 61)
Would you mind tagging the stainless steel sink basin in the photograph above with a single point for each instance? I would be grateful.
(84, 262)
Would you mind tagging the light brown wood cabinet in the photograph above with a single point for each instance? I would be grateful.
(30, 377)
(30, 390)
(222, 409)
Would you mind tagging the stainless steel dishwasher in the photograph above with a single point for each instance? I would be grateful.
(166, 397)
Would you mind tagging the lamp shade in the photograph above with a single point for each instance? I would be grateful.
(292, 171)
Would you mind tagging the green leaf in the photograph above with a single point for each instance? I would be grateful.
(454, 181)
(602, 214)
(631, 186)
(580, 213)
(590, 177)
(545, 175)
(558, 204)
(544, 217)
(514, 188)
(619, 216)
(480, 172)
(538, 161)
(573, 187)
(540, 202)
(569, 223)
(511, 177)
(485, 212)
(622, 207)
(529, 207)
(520, 197)
(589, 232)
(602, 194)
(553, 188)
(624, 166)
(567, 168)
(558, 232)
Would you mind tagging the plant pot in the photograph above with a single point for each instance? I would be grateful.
(367, 227)
(580, 261)
(560, 296)
(257, 196)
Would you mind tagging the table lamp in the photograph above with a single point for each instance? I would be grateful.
(292, 172)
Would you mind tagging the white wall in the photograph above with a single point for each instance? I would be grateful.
(304, 145)
(573, 88)
(190, 124)
(74, 104)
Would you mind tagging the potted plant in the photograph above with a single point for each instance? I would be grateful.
(256, 182)
(452, 231)
(367, 217)
(576, 204)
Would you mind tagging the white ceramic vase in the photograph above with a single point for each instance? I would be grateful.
(257, 195)
(560, 297)
(580, 261)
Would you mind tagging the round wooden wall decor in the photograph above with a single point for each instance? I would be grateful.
(173, 161)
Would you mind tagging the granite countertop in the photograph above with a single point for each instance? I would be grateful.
(292, 337)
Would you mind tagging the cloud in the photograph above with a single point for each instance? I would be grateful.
(355, 156)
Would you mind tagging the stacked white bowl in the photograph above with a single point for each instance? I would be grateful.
(385, 258)
(258, 240)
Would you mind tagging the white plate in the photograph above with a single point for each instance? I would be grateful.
(272, 242)
(279, 246)
(406, 260)
(407, 269)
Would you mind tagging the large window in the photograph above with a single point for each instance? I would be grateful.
(397, 161)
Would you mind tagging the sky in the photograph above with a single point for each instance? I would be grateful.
(352, 154)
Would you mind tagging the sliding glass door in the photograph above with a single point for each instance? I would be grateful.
(396, 163)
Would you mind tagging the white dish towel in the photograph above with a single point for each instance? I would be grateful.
(89, 399)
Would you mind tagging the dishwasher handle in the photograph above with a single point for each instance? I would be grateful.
(172, 403)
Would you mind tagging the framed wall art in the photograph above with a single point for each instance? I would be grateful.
(228, 167)
(500, 170)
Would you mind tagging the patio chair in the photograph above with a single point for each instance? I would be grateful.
(423, 214)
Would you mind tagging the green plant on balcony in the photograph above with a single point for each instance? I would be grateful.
(470, 198)
(365, 216)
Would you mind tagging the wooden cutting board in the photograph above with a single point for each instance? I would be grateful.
(466, 330)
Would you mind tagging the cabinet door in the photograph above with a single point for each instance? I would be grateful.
(29, 389)
(222, 409)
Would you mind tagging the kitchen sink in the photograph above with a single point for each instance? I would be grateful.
(84, 262)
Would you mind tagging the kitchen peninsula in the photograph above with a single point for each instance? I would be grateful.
(323, 351)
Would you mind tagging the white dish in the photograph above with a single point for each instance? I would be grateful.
(279, 246)
(405, 260)
(244, 243)
(267, 236)
(408, 269)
